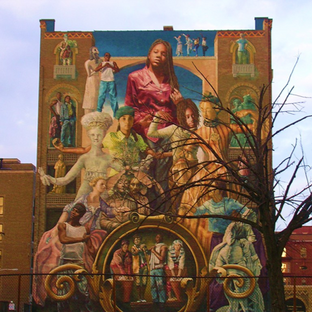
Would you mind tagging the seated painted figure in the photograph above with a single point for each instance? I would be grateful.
(49, 248)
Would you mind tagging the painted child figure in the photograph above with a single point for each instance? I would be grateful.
(140, 266)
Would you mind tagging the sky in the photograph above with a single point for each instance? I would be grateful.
(20, 47)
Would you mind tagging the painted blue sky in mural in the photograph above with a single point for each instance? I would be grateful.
(137, 45)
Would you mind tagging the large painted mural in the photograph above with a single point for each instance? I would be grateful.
(154, 225)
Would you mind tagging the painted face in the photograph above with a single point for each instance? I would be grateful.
(75, 213)
(124, 247)
(207, 110)
(190, 118)
(158, 238)
(59, 95)
(177, 247)
(95, 51)
(67, 99)
(137, 240)
(134, 186)
(100, 186)
(158, 56)
(107, 57)
(96, 136)
(126, 123)
(122, 184)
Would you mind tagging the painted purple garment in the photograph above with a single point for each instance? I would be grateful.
(148, 98)
(216, 292)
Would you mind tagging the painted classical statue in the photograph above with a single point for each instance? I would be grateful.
(95, 162)
(237, 249)
(91, 94)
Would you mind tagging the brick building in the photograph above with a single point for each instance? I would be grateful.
(235, 67)
(297, 268)
(17, 190)
(297, 259)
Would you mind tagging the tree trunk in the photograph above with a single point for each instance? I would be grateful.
(276, 281)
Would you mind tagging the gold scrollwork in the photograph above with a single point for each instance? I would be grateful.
(70, 281)
(239, 280)
(135, 217)
(61, 280)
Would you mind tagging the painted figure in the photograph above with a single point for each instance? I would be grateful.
(221, 205)
(237, 248)
(137, 192)
(126, 145)
(215, 139)
(242, 53)
(73, 236)
(248, 107)
(121, 266)
(49, 249)
(204, 45)
(157, 264)
(121, 263)
(68, 121)
(175, 268)
(91, 94)
(107, 69)
(179, 51)
(196, 45)
(188, 43)
(140, 266)
(182, 161)
(119, 200)
(95, 161)
(66, 52)
(59, 172)
(55, 108)
(243, 167)
(96, 207)
(150, 90)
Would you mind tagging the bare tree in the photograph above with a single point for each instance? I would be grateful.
(259, 190)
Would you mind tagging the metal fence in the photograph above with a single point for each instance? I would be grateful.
(137, 293)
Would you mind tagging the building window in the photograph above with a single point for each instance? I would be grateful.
(1, 205)
(303, 252)
(0, 258)
(284, 253)
(286, 267)
(1, 232)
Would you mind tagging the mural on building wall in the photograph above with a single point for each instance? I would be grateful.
(153, 159)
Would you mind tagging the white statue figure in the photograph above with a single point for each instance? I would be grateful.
(95, 161)
(91, 94)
